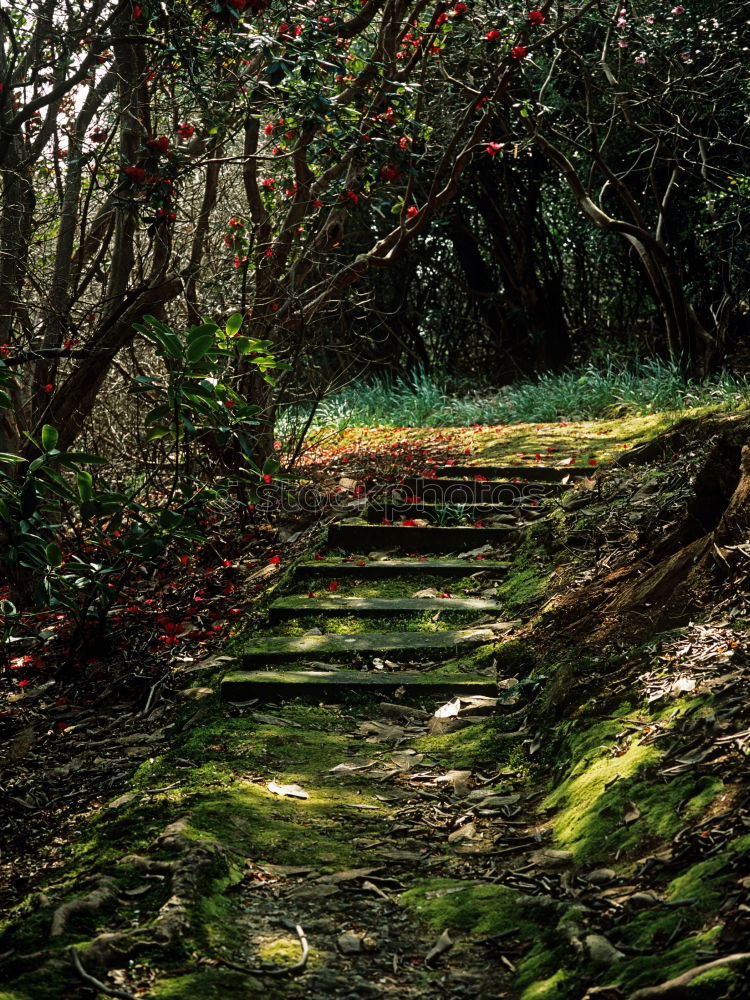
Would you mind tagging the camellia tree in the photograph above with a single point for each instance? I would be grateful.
(183, 159)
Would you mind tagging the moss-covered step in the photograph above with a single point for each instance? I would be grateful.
(293, 607)
(447, 512)
(532, 473)
(513, 491)
(281, 649)
(367, 537)
(242, 685)
(377, 569)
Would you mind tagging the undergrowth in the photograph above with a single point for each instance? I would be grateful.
(423, 399)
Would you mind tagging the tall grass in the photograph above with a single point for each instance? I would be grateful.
(421, 399)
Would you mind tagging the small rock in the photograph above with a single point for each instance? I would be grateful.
(601, 876)
(601, 952)
(349, 944)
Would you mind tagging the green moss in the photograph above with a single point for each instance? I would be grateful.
(492, 743)
(712, 984)
(212, 984)
(523, 586)
(425, 621)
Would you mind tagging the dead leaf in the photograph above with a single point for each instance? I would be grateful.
(427, 592)
(632, 813)
(350, 875)
(444, 943)
(466, 832)
(289, 791)
(352, 765)
(407, 759)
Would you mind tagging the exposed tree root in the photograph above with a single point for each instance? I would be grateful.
(196, 863)
(91, 903)
(677, 988)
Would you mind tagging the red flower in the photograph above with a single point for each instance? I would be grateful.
(352, 196)
(312, 594)
(493, 148)
(184, 560)
(333, 586)
(518, 52)
(266, 478)
(136, 174)
(67, 345)
(412, 211)
(268, 182)
(403, 142)
(165, 215)
(48, 387)
(230, 404)
(460, 8)
(274, 561)
(493, 35)
(137, 11)
(389, 172)
(441, 19)
(23, 684)
(185, 131)
(409, 523)
(536, 17)
(592, 461)
(319, 557)
(159, 145)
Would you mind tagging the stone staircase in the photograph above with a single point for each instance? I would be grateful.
(319, 637)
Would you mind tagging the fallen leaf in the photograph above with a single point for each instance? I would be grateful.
(632, 813)
(290, 791)
(349, 944)
(444, 943)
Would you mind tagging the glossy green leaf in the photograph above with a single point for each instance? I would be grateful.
(49, 437)
(53, 554)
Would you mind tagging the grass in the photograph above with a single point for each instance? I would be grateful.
(422, 399)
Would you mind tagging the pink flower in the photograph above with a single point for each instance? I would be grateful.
(679, 9)
(623, 43)
(641, 59)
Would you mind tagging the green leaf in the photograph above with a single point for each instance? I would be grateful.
(199, 347)
(85, 483)
(53, 554)
(8, 609)
(82, 456)
(157, 413)
(49, 437)
(28, 499)
(234, 323)
(5, 456)
(157, 432)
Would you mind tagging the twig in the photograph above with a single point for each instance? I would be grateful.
(101, 987)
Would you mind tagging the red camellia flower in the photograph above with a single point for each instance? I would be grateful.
(136, 174)
(536, 17)
(412, 211)
(268, 182)
(493, 148)
(186, 131)
(274, 561)
(460, 8)
(518, 52)
(333, 586)
(389, 172)
(441, 19)
(49, 387)
(493, 35)
(166, 216)
(230, 404)
(266, 478)
(353, 197)
(159, 144)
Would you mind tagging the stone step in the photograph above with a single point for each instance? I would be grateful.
(281, 649)
(532, 473)
(244, 685)
(513, 492)
(377, 537)
(377, 569)
(433, 512)
(285, 608)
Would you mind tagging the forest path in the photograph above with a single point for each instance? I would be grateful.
(397, 851)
